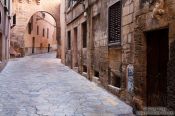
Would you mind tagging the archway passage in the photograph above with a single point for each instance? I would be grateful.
(40, 34)
(23, 11)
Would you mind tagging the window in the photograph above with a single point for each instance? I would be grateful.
(29, 27)
(5, 2)
(114, 25)
(69, 40)
(37, 30)
(84, 32)
(96, 74)
(0, 17)
(114, 79)
(85, 68)
(48, 33)
(14, 19)
(43, 32)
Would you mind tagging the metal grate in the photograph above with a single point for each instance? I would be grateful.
(114, 26)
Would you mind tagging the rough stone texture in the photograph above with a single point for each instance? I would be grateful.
(143, 22)
(171, 79)
(24, 10)
(137, 18)
(5, 25)
(96, 56)
(127, 46)
(40, 85)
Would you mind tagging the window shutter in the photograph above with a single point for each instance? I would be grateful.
(114, 26)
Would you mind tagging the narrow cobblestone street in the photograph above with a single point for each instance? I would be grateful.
(40, 85)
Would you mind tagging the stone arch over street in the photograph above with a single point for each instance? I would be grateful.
(40, 34)
(24, 10)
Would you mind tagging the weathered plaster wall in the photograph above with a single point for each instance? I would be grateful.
(5, 31)
(24, 10)
(41, 42)
(63, 30)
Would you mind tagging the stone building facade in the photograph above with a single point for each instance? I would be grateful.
(88, 49)
(24, 10)
(5, 27)
(40, 35)
(125, 45)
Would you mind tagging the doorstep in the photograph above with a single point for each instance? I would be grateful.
(2, 65)
(113, 89)
(96, 80)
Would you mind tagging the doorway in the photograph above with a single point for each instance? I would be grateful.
(33, 45)
(48, 48)
(1, 48)
(157, 59)
(75, 49)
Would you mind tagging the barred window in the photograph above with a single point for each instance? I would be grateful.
(114, 25)
(69, 40)
(84, 33)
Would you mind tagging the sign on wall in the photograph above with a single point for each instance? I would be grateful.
(130, 75)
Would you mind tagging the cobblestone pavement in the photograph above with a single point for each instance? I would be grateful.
(40, 85)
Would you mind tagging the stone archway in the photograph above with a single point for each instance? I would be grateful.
(24, 9)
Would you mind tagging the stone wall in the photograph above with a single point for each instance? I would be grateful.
(127, 45)
(97, 56)
(138, 17)
(5, 27)
(146, 19)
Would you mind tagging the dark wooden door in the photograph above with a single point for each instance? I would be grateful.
(75, 49)
(157, 59)
(33, 45)
(48, 47)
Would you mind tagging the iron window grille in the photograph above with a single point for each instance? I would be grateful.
(114, 25)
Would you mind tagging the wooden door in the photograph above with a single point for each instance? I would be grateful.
(33, 45)
(157, 59)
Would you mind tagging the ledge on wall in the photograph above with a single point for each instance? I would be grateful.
(115, 45)
(114, 90)
(84, 74)
(2, 65)
(96, 80)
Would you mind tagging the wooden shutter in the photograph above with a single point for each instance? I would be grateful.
(114, 26)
